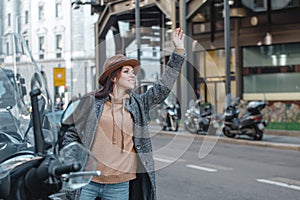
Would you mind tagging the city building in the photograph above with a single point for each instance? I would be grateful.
(263, 41)
(59, 34)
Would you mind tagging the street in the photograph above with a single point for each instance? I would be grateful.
(228, 171)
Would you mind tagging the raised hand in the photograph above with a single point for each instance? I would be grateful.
(178, 40)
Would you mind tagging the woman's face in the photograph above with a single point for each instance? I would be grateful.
(126, 78)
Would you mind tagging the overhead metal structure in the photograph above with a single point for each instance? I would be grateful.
(152, 13)
(113, 10)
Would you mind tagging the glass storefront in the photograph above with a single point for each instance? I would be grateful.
(272, 72)
(212, 76)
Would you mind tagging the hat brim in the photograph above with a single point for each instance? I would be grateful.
(130, 62)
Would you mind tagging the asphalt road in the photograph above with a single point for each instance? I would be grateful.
(271, 139)
(199, 169)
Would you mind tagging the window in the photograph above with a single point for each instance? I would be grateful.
(271, 69)
(294, 3)
(58, 46)
(154, 52)
(41, 46)
(271, 55)
(26, 17)
(26, 38)
(9, 19)
(259, 4)
(41, 12)
(7, 48)
(42, 43)
(27, 42)
(58, 10)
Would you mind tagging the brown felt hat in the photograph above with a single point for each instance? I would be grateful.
(115, 62)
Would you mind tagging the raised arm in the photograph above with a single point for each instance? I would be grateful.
(164, 85)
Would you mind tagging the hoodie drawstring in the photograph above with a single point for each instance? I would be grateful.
(122, 126)
(114, 124)
(113, 101)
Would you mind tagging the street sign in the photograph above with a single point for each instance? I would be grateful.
(59, 76)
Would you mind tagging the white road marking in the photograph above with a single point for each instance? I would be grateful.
(294, 187)
(163, 160)
(202, 168)
(217, 167)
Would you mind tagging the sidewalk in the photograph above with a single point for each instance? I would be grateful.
(287, 140)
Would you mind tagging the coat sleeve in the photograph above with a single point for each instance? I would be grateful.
(162, 88)
(70, 136)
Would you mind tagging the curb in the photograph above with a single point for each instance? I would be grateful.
(282, 146)
(282, 132)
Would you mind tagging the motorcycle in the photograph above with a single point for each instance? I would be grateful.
(32, 165)
(251, 123)
(168, 114)
(198, 119)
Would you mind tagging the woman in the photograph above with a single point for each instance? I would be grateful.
(121, 142)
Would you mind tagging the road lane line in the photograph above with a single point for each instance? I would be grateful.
(201, 168)
(163, 160)
(217, 167)
(294, 187)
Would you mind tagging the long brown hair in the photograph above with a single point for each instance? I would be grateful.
(107, 87)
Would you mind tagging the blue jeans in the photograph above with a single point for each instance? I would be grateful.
(118, 191)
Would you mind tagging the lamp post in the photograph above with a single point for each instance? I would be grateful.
(137, 27)
(227, 50)
(138, 34)
(18, 17)
(184, 94)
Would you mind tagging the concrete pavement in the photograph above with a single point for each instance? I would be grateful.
(286, 140)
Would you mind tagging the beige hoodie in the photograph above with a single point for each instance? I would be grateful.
(113, 144)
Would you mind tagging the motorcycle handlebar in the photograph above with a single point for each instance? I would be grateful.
(66, 169)
(49, 167)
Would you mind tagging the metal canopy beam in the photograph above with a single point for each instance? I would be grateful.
(193, 6)
(121, 9)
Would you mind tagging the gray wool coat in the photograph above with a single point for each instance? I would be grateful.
(139, 105)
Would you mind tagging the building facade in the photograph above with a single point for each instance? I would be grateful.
(264, 45)
(59, 35)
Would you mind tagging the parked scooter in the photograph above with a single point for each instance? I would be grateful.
(168, 115)
(199, 118)
(250, 124)
(32, 166)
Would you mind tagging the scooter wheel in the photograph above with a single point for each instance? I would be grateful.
(226, 132)
(190, 127)
(258, 134)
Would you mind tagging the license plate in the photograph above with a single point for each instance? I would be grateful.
(261, 126)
